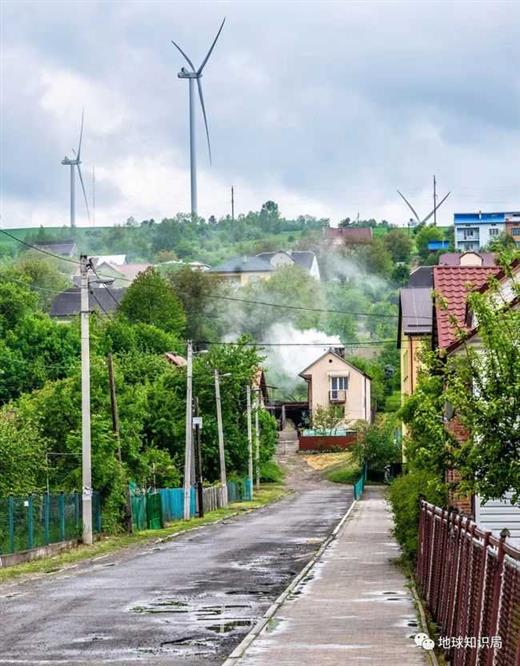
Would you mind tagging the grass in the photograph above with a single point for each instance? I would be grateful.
(336, 467)
(267, 494)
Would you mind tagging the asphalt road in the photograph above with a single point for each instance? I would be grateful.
(188, 601)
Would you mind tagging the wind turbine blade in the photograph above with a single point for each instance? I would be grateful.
(205, 117)
(199, 71)
(84, 191)
(436, 208)
(409, 206)
(81, 133)
(182, 52)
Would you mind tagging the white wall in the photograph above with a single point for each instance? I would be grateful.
(497, 514)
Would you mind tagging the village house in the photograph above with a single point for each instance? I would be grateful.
(243, 270)
(67, 304)
(333, 381)
(67, 248)
(416, 307)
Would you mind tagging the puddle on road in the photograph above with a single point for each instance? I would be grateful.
(226, 626)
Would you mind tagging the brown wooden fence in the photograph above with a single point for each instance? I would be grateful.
(471, 583)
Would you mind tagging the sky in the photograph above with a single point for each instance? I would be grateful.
(325, 107)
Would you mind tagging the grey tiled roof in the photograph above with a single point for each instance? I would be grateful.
(416, 311)
(302, 258)
(63, 248)
(243, 265)
(422, 276)
(68, 303)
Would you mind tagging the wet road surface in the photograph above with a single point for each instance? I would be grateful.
(188, 601)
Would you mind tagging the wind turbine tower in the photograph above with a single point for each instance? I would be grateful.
(194, 75)
(75, 163)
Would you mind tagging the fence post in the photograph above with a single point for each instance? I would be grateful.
(61, 505)
(46, 508)
(30, 530)
(10, 505)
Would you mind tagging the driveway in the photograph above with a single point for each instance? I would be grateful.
(189, 601)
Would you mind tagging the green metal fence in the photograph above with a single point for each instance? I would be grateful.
(359, 485)
(39, 520)
(152, 509)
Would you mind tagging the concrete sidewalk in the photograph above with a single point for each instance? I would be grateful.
(352, 608)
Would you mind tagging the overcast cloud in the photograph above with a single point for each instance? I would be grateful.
(325, 107)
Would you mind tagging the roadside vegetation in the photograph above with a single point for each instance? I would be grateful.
(108, 544)
(486, 417)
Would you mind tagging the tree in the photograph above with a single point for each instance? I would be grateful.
(151, 300)
(425, 234)
(399, 245)
(328, 419)
(198, 291)
(376, 258)
(483, 386)
(377, 445)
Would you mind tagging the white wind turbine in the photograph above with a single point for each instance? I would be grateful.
(193, 75)
(75, 164)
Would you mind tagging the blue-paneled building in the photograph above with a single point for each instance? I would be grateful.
(475, 230)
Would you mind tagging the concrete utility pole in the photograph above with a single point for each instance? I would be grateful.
(232, 203)
(189, 432)
(86, 470)
(198, 460)
(257, 439)
(249, 440)
(222, 457)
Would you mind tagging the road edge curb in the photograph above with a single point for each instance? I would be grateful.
(261, 623)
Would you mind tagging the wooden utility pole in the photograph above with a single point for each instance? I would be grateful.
(198, 460)
(115, 430)
(232, 203)
(249, 440)
(113, 404)
(86, 464)
(189, 433)
(220, 427)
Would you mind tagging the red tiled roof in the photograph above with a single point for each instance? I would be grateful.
(453, 283)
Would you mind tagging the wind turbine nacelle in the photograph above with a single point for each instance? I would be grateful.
(186, 74)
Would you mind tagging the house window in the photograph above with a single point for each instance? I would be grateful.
(338, 387)
(515, 231)
(468, 233)
(493, 232)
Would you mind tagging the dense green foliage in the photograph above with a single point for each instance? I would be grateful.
(377, 445)
(483, 386)
(405, 494)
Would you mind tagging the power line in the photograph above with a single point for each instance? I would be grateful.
(258, 343)
(220, 297)
(39, 249)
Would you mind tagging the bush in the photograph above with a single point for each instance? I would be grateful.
(348, 474)
(270, 472)
(377, 444)
(405, 493)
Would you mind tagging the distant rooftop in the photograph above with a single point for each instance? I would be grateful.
(68, 303)
(483, 218)
(63, 248)
(471, 258)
